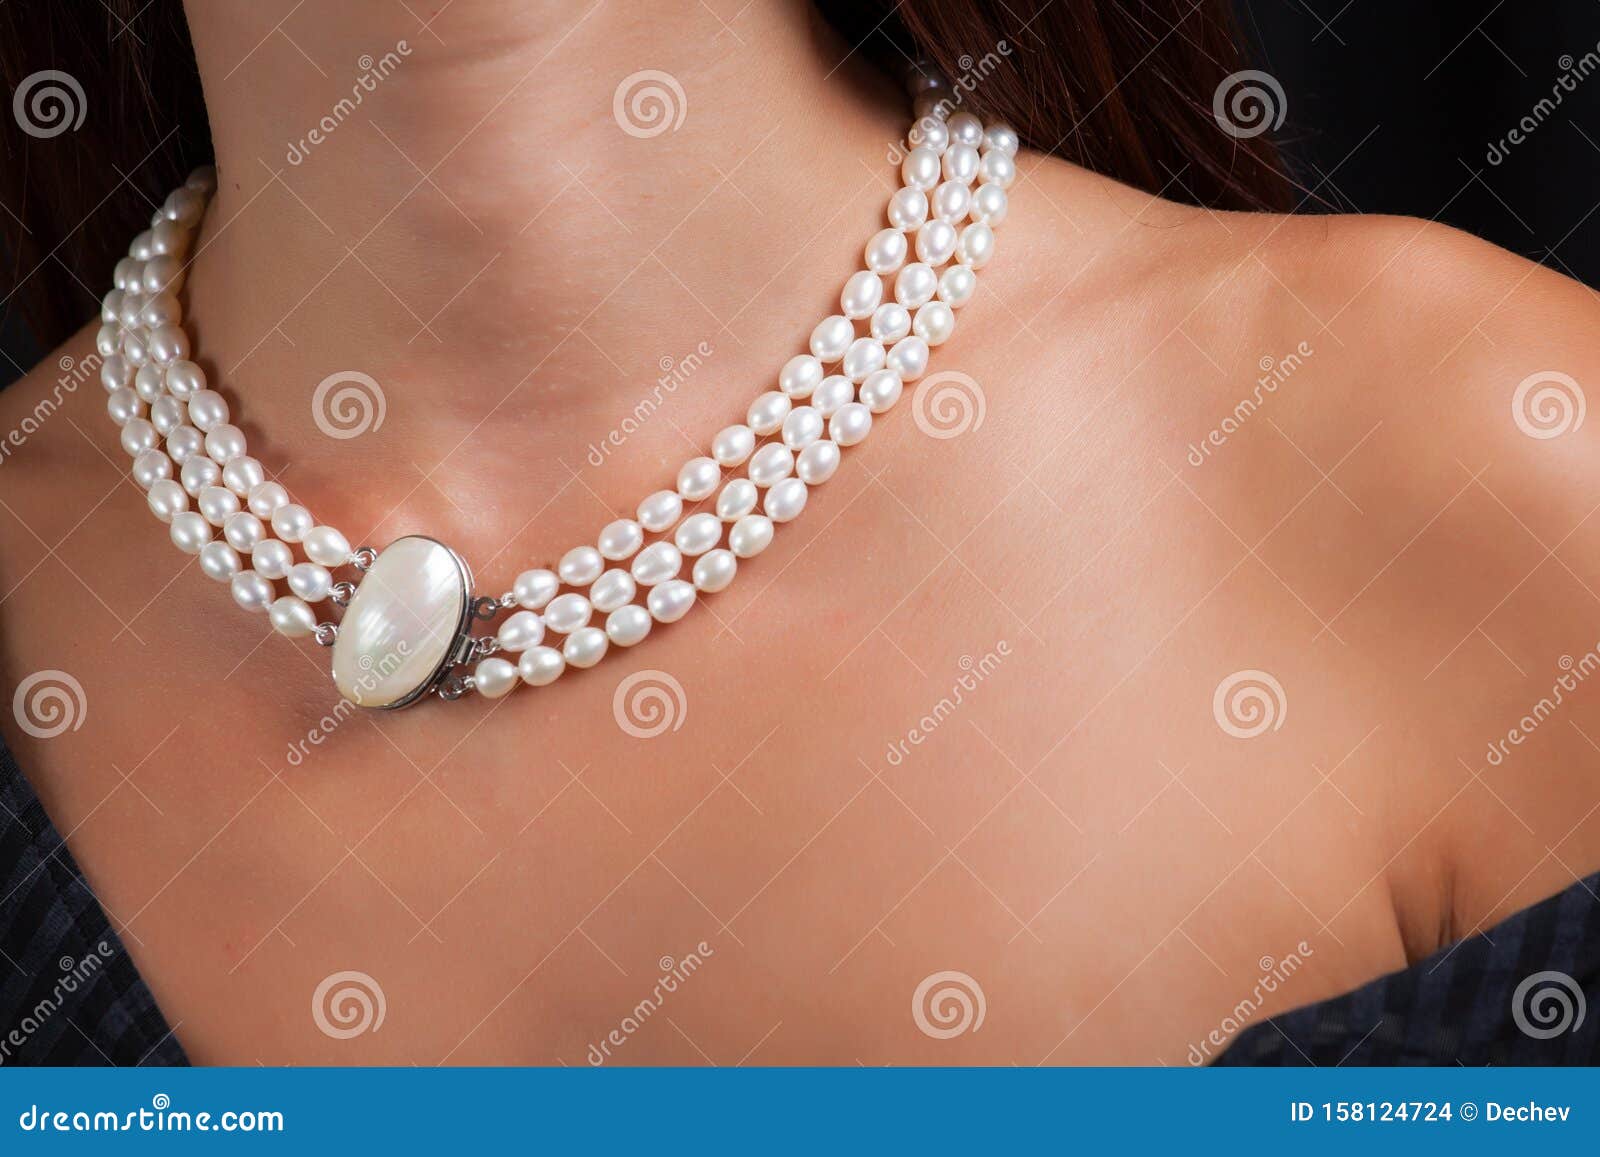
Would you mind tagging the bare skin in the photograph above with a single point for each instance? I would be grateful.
(1079, 834)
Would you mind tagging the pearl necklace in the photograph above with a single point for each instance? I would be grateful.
(406, 630)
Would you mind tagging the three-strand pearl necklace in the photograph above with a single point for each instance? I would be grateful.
(409, 610)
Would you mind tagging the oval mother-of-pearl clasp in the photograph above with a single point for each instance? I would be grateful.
(400, 633)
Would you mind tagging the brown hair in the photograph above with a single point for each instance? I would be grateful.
(1123, 89)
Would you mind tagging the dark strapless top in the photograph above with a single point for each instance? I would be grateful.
(1519, 993)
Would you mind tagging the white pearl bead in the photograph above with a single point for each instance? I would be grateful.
(865, 355)
(930, 132)
(243, 474)
(817, 462)
(966, 129)
(208, 410)
(657, 563)
(271, 558)
(915, 284)
(851, 424)
(699, 478)
(225, 443)
(951, 201)
(121, 275)
(491, 678)
(219, 561)
(738, 498)
(532, 589)
(311, 581)
(1001, 137)
(767, 412)
(786, 500)
(291, 522)
(891, 322)
(325, 545)
(106, 342)
(611, 590)
(541, 666)
(976, 246)
(833, 393)
(124, 406)
(150, 383)
(733, 444)
(935, 322)
(831, 338)
(881, 391)
(197, 473)
(989, 205)
(134, 350)
(163, 275)
(185, 380)
(168, 343)
(660, 510)
(166, 414)
(160, 309)
(111, 306)
(909, 358)
(129, 315)
(290, 616)
(750, 536)
(886, 252)
(585, 647)
(566, 613)
(116, 373)
(580, 566)
(185, 443)
(218, 504)
(960, 163)
(957, 284)
(802, 427)
(138, 436)
(698, 534)
(519, 632)
(771, 463)
(920, 169)
(169, 239)
(714, 570)
(801, 373)
(628, 625)
(184, 205)
(243, 531)
(167, 499)
(266, 497)
(861, 295)
(251, 591)
(670, 601)
(620, 539)
(190, 532)
(150, 467)
(936, 241)
(997, 169)
(908, 208)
